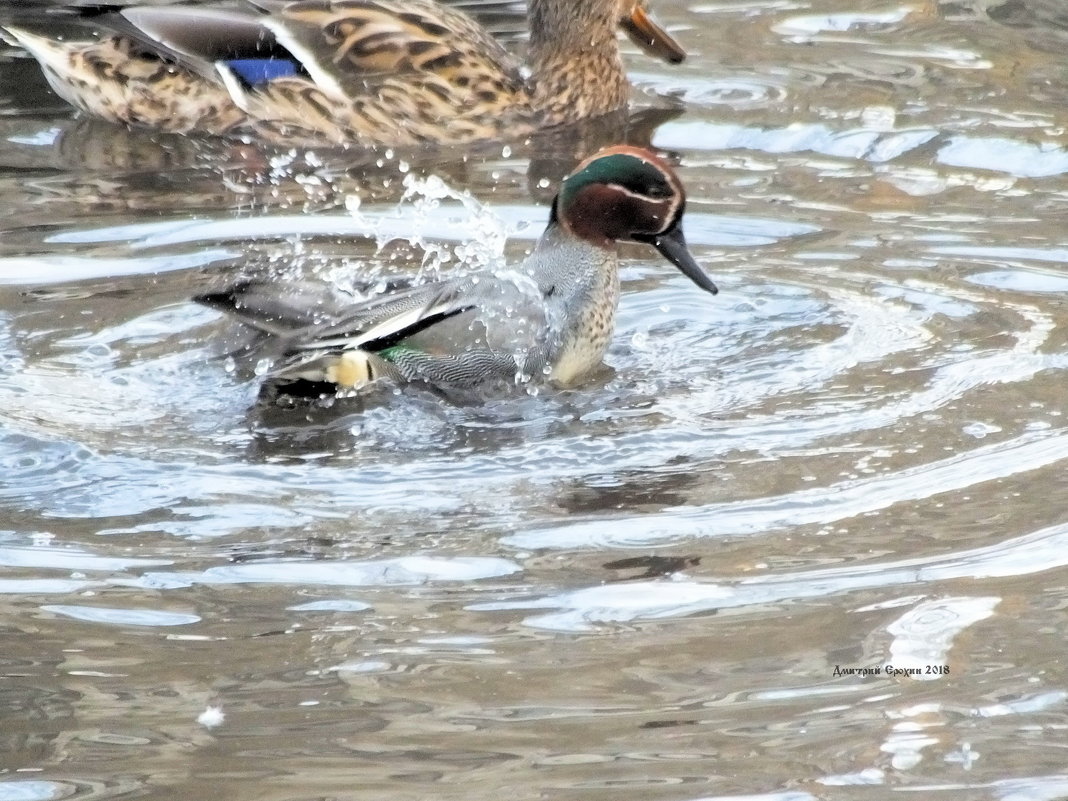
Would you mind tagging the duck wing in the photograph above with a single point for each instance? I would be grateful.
(313, 317)
(334, 43)
(261, 305)
(199, 37)
(343, 44)
(385, 321)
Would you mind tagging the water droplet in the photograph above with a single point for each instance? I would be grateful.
(878, 118)
(980, 430)
(211, 717)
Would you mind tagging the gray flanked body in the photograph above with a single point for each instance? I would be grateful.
(554, 320)
(549, 319)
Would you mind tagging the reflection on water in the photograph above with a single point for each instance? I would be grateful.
(801, 541)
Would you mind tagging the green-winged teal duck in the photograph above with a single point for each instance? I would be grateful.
(548, 319)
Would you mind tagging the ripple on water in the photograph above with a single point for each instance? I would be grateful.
(773, 365)
(817, 506)
(88, 790)
(331, 605)
(783, 348)
(733, 91)
(681, 596)
(1023, 281)
(31, 790)
(34, 466)
(849, 366)
(858, 143)
(44, 586)
(402, 571)
(122, 616)
(805, 26)
(922, 636)
(36, 271)
(1012, 156)
(53, 557)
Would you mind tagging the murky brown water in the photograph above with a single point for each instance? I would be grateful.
(658, 586)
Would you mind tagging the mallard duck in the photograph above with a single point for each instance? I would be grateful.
(549, 318)
(365, 72)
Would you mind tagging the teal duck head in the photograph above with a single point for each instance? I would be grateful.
(629, 193)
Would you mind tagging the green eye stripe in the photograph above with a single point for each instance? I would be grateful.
(621, 169)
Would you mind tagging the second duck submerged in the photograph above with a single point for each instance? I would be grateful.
(361, 72)
(550, 319)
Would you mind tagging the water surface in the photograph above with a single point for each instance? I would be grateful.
(682, 580)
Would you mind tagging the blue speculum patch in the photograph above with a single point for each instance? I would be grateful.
(255, 71)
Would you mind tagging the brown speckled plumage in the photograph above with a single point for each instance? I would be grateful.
(395, 72)
(110, 79)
